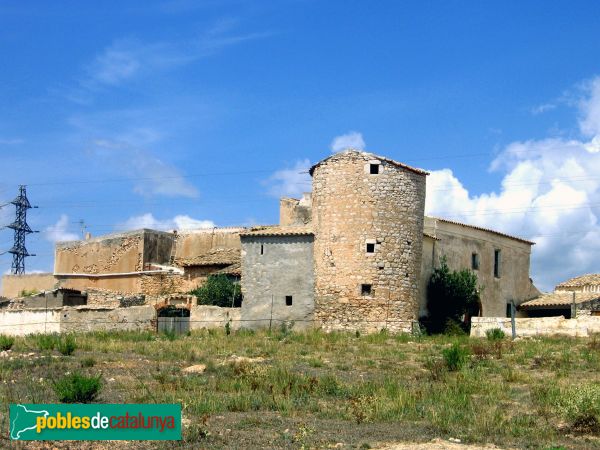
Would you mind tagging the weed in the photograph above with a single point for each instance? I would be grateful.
(66, 344)
(77, 388)
(6, 342)
(46, 342)
(88, 362)
(228, 328)
(495, 334)
(455, 357)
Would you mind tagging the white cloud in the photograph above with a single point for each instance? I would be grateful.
(290, 182)
(352, 139)
(60, 231)
(179, 222)
(126, 59)
(550, 193)
(151, 175)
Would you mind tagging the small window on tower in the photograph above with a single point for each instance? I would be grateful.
(370, 247)
(475, 261)
(288, 300)
(262, 249)
(374, 169)
(366, 289)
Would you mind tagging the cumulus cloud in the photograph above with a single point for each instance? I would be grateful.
(352, 139)
(179, 222)
(550, 193)
(60, 231)
(290, 182)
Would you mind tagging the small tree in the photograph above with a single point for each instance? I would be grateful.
(218, 290)
(450, 296)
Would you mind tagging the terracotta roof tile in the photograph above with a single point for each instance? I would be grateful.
(580, 281)
(214, 257)
(499, 233)
(558, 299)
(278, 231)
(371, 156)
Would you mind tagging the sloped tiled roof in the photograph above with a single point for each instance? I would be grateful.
(214, 257)
(370, 156)
(516, 238)
(558, 299)
(233, 269)
(580, 281)
(278, 231)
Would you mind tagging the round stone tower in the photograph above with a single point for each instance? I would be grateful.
(367, 214)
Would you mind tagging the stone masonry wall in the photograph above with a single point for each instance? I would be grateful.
(582, 326)
(351, 208)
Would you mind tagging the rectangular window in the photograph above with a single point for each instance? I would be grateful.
(508, 309)
(497, 262)
(288, 300)
(262, 249)
(374, 169)
(475, 261)
(365, 289)
(370, 248)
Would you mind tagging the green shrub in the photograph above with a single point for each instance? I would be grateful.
(581, 406)
(77, 388)
(6, 342)
(218, 290)
(455, 357)
(66, 344)
(453, 328)
(495, 334)
(46, 341)
(450, 295)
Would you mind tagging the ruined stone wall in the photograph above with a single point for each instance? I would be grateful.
(295, 212)
(13, 285)
(124, 283)
(351, 208)
(458, 243)
(283, 268)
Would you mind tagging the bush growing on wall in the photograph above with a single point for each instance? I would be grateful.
(219, 290)
(451, 295)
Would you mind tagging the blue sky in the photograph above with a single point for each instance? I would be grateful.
(184, 113)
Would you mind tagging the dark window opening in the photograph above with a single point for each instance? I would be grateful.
(262, 249)
(374, 169)
(365, 289)
(408, 242)
(497, 261)
(475, 261)
(288, 300)
(508, 310)
(370, 248)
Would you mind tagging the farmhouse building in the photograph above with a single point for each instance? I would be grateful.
(355, 253)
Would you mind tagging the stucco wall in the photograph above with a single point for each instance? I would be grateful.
(83, 319)
(13, 285)
(458, 243)
(197, 242)
(122, 283)
(203, 316)
(352, 207)
(285, 268)
(18, 322)
(582, 326)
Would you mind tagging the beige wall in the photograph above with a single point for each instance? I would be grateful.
(197, 242)
(294, 212)
(582, 326)
(124, 283)
(18, 322)
(116, 254)
(204, 316)
(458, 242)
(13, 285)
(352, 207)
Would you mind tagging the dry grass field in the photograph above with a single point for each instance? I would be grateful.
(286, 389)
